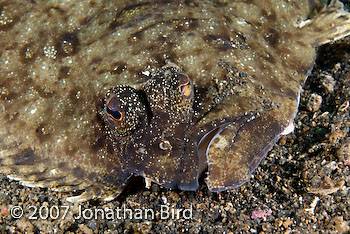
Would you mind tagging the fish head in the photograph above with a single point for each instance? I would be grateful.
(148, 125)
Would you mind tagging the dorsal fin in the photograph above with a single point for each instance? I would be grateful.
(330, 24)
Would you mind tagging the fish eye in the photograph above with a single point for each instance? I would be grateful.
(113, 110)
(123, 110)
(185, 86)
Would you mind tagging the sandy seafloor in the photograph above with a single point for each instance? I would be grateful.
(302, 185)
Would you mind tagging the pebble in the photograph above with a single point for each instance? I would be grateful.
(287, 223)
(85, 229)
(314, 102)
(343, 152)
(328, 82)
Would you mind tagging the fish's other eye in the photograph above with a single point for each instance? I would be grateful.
(123, 110)
(185, 85)
(170, 92)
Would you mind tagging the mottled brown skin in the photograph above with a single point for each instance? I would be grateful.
(247, 61)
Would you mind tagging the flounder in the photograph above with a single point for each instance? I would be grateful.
(93, 92)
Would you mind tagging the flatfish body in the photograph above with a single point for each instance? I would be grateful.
(93, 92)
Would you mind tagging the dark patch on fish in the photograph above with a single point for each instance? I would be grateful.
(26, 157)
(67, 44)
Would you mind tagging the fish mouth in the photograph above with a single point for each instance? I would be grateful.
(204, 145)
